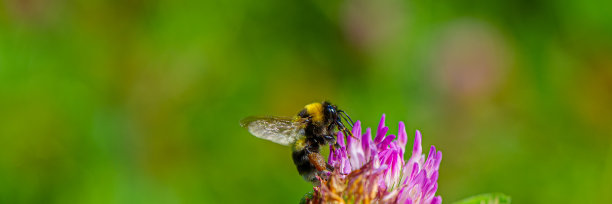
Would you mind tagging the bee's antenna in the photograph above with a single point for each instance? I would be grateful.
(347, 121)
(347, 116)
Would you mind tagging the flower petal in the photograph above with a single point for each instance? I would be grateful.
(436, 200)
(402, 137)
(385, 143)
(377, 167)
(381, 131)
(366, 144)
(340, 139)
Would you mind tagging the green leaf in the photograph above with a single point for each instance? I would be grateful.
(307, 196)
(487, 198)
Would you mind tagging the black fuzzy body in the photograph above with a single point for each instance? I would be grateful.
(305, 168)
(316, 133)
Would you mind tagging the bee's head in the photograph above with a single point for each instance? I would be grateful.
(331, 111)
(337, 115)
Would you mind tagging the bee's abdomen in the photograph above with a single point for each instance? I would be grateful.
(308, 171)
(300, 159)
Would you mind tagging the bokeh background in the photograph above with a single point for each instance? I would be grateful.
(139, 101)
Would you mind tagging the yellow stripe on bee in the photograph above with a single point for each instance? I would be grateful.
(300, 144)
(316, 111)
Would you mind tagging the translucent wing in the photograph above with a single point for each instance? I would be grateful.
(281, 130)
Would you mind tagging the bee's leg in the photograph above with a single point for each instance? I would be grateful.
(329, 167)
(347, 132)
(344, 130)
(317, 160)
(329, 139)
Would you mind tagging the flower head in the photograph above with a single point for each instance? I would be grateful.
(369, 170)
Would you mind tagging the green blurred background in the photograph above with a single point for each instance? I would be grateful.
(139, 101)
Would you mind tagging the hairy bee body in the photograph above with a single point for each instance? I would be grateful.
(312, 128)
(318, 131)
(303, 150)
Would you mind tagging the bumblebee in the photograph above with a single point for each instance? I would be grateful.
(313, 127)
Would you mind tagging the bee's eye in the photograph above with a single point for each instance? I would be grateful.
(331, 109)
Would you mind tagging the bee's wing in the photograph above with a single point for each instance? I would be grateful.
(281, 130)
